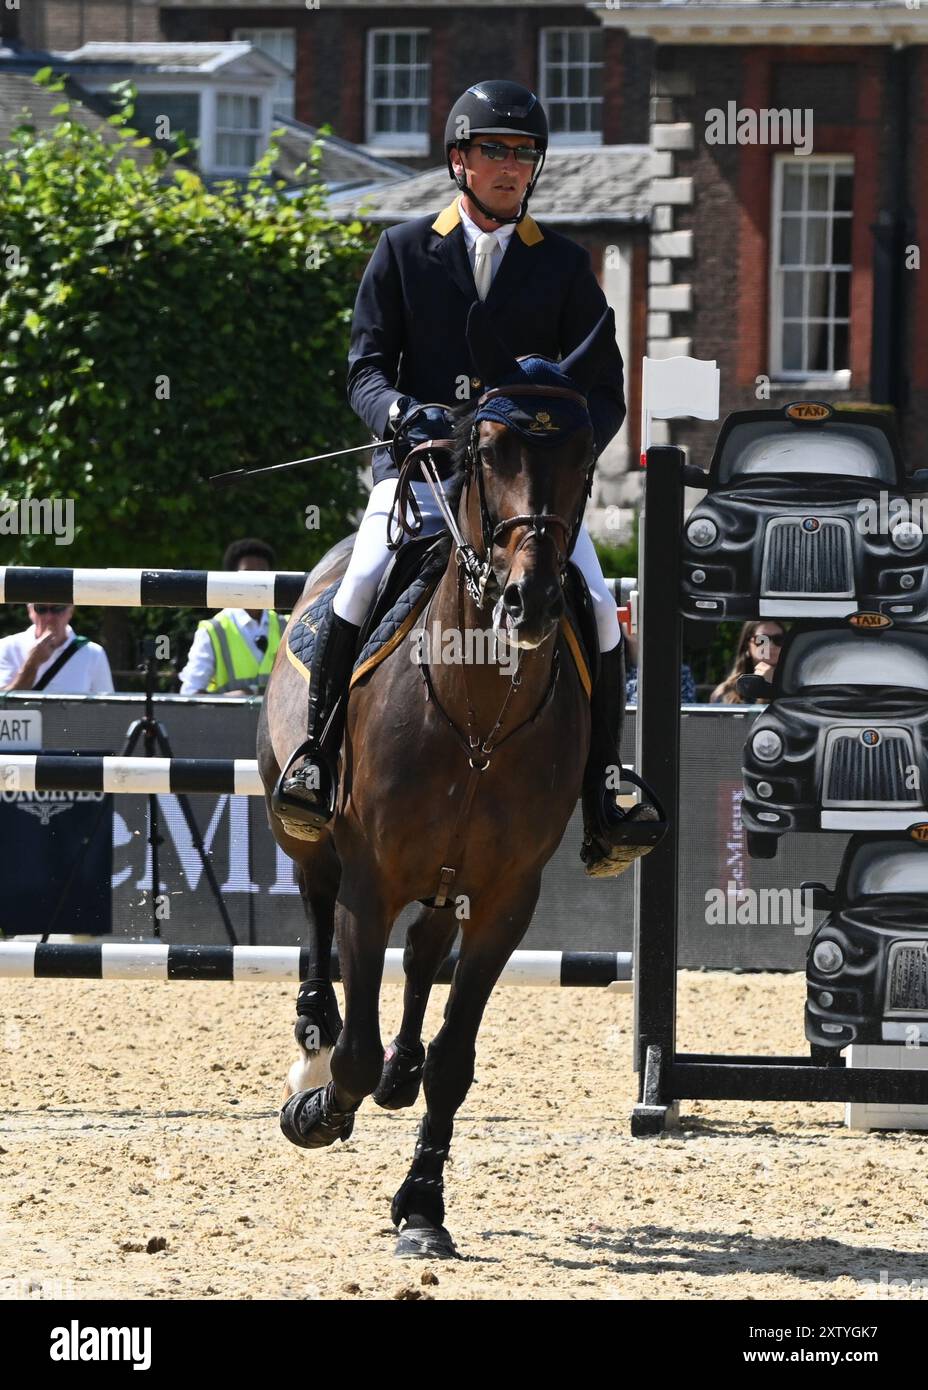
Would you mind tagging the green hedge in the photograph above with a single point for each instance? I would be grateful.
(154, 331)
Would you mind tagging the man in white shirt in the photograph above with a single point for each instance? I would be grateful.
(500, 235)
(27, 657)
(260, 631)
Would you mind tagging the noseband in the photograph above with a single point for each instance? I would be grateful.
(478, 570)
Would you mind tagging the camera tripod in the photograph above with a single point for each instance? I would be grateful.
(155, 743)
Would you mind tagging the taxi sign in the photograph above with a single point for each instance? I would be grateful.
(809, 412)
(870, 620)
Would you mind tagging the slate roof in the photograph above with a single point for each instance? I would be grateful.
(344, 166)
(609, 183)
(21, 100)
(167, 57)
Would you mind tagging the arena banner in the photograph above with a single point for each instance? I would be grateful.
(57, 855)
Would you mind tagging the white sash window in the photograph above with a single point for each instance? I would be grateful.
(810, 268)
(279, 44)
(571, 68)
(399, 89)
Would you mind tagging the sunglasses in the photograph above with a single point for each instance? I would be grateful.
(525, 154)
(42, 608)
(777, 638)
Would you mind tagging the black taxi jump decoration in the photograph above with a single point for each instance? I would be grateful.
(843, 745)
(867, 968)
(808, 514)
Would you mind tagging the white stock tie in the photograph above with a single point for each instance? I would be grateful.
(483, 263)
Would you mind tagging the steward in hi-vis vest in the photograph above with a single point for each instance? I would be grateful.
(237, 667)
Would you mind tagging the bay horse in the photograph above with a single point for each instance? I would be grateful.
(457, 784)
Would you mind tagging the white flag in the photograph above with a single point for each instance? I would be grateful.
(674, 386)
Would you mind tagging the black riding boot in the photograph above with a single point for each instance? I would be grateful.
(304, 800)
(612, 838)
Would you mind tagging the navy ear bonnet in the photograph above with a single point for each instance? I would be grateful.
(544, 420)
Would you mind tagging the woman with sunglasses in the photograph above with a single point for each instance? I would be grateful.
(409, 346)
(50, 656)
(757, 654)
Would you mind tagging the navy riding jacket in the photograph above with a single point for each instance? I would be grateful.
(408, 332)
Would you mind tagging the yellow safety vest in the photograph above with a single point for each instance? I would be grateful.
(236, 668)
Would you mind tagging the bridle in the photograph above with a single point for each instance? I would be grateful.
(477, 570)
(474, 574)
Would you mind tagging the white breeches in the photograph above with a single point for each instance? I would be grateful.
(607, 619)
(370, 558)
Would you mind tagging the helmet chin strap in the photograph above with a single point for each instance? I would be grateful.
(461, 181)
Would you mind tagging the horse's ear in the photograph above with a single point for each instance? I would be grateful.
(582, 364)
(491, 357)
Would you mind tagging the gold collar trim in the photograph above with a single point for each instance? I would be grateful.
(449, 217)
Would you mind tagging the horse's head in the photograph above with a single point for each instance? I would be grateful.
(527, 462)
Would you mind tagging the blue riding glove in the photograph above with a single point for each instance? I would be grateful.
(417, 425)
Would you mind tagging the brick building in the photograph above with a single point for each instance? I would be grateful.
(384, 75)
(793, 262)
(788, 255)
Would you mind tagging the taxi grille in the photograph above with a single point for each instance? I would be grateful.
(856, 773)
(907, 985)
(808, 562)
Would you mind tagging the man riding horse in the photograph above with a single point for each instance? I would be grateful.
(408, 346)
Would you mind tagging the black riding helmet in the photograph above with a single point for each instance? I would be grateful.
(496, 108)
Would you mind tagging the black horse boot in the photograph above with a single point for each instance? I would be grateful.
(612, 838)
(304, 800)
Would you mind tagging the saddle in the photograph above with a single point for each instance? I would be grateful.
(406, 586)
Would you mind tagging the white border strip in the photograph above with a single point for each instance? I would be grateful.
(17, 772)
(145, 776)
(266, 962)
(249, 589)
(805, 608)
(125, 961)
(247, 778)
(109, 587)
(17, 960)
(873, 820)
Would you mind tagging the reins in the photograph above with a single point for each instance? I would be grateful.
(477, 569)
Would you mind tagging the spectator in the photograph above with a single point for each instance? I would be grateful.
(687, 683)
(757, 654)
(233, 652)
(50, 656)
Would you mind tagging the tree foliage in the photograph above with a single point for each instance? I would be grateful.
(153, 331)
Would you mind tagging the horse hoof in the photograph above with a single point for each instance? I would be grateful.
(309, 1119)
(401, 1077)
(425, 1243)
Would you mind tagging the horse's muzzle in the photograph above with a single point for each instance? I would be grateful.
(529, 610)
